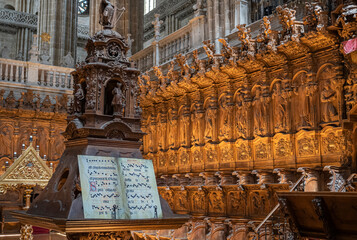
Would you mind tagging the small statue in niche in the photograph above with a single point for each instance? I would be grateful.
(328, 97)
(118, 101)
(106, 14)
(78, 99)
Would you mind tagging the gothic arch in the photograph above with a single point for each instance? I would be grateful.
(298, 75)
(274, 82)
(321, 70)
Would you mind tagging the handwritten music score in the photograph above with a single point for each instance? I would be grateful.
(118, 188)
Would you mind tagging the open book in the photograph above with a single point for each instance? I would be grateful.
(118, 188)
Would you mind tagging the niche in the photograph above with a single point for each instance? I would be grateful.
(109, 95)
(62, 180)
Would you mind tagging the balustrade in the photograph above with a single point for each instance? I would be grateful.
(176, 43)
(33, 73)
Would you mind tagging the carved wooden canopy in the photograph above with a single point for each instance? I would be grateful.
(27, 170)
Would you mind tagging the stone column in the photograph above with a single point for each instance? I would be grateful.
(241, 12)
(210, 18)
(217, 25)
(157, 25)
(24, 35)
(198, 34)
(94, 17)
(59, 20)
(227, 19)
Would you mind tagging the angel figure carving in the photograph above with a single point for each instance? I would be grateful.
(106, 14)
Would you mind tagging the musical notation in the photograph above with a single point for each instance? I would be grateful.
(118, 188)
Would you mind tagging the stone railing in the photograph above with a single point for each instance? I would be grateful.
(144, 58)
(35, 74)
(18, 19)
(176, 43)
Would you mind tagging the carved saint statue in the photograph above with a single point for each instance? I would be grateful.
(185, 123)
(5, 140)
(280, 108)
(258, 113)
(305, 95)
(241, 118)
(328, 97)
(196, 117)
(210, 123)
(161, 131)
(224, 119)
(172, 128)
(106, 14)
(78, 99)
(118, 101)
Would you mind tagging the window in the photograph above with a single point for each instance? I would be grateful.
(149, 5)
(83, 7)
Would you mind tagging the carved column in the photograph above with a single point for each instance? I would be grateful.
(244, 177)
(28, 192)
(264, 176)
(225, 178)
(237, 229)
(24, 35)
(312, 178)
(195, 179)
(197, 229)
(217, 229)
(337, 178)
(241, 12)
(285, 176)
(182, 180)
(210, 178)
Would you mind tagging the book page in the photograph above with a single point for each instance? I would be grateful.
(141, 189)
(102, 193)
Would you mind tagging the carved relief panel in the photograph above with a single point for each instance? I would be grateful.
(172, 161)
(216, 204)
(198, 159)
(197, 200)
(162, 162)
(180, 200)
(244, 154)
(211, 157)
(184, 160)
(236, 201)
(307, 145)
(226, 155)
(283, 149)
(262, 153)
